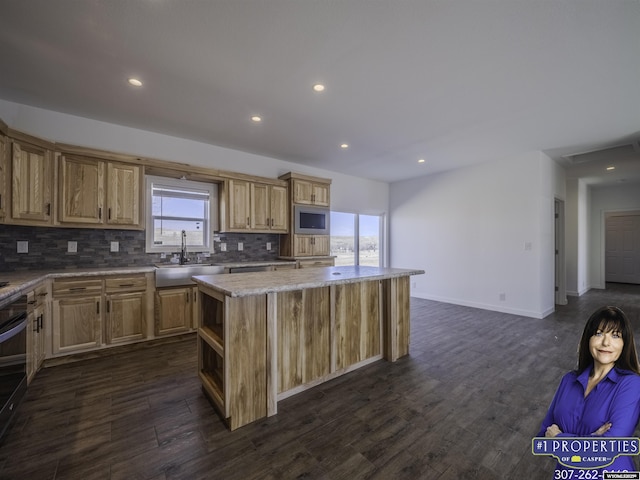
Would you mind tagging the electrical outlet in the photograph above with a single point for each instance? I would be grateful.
(23, 246)
(115, 246)
(163, 255)
(223, 247)
(268, 245)
(72, 247)
(240, 246)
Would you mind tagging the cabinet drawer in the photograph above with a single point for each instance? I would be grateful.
(315, 263)
(125, 284)
(86, 286)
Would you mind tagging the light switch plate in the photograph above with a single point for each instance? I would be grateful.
(223, 247)
(72, 247)
(240, 246)
(115, 246)
(268, 245)
(23, 246)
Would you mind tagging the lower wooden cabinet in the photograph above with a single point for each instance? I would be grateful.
(37, 323)
(126, 309)
(175, 310)
(94, 312)
(77, 323)
(126, 317)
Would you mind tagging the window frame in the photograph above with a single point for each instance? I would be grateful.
(210, 224)
(356, 240)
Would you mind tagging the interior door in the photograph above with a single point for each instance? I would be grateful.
(622, 248)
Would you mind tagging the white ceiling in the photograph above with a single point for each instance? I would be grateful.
(455, 82)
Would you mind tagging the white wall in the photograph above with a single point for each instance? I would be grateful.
(604, 200)
(480, 232)
(348, 193)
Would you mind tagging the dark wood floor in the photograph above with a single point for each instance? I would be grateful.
(465, 404)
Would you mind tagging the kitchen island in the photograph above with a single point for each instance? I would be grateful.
(265, 336)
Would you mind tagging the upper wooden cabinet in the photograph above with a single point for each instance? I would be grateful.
(309, 193)
(98, 192)
(269, 207)
(254, 207)
(31, 184)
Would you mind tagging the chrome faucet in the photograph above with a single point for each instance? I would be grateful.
(183, 249)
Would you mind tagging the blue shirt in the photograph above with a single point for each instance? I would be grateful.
(615, 399)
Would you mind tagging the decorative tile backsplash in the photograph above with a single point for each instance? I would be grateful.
(47, 248)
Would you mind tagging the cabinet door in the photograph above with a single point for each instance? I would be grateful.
(302, 192)
(279, 209)
(260, 207)
(126, 319)
(81, 190)
(239, 205)
(320, 244)
(123, 194)
(174, 311)
(4, 166)
(32, 325)
(302, 245)
(31, 181)
(320, 195)
(77, 324)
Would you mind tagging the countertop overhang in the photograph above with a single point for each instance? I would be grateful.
(258, 283)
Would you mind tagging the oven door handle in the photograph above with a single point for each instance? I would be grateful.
(18, 323)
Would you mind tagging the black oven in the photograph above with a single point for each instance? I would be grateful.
(13, 357)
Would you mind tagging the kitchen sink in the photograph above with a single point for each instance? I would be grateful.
(175, 275)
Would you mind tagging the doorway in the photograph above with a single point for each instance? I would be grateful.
(559, 262)
(622, 247)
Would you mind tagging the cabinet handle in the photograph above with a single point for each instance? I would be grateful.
(35, 327)
(100, 213)
(75, 289)
(126, 285)
(272, 222)
(98, 307)
(31, 302)
(109, 213)
(108, 306)
(186, 296)
(0, 202)
(42, 294)
(40, 327)
(195, 297)
(248, 221)
(48, 209)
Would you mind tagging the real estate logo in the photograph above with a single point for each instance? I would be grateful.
(587, 452)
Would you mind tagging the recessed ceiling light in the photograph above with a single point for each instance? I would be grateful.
(421, 160)
(344, 146)
(256, 119)
(135, 82)
(318, 87)
(611, 168)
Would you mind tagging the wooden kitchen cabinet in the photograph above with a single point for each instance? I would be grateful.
(311, 245)
(310, 193)
(232, 355)
(126, 315)
(37, 322)
(175, 310)
(96, 192)
(77, 315)
(269, 208)
(248, 206)
(31, 184)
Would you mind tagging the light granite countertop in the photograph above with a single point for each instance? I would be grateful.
(21, 282)
(258, 283)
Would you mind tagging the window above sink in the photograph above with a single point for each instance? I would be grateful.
(174, 205)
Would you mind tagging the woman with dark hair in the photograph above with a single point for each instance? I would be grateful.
(602, 396)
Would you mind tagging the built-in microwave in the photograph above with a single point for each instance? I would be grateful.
(311, 220)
